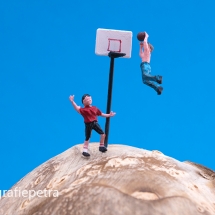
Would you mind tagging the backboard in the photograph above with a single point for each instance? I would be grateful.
(113, 40)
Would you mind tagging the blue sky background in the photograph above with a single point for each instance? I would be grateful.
(47, 52)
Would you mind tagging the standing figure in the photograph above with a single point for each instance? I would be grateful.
(90, 114)
(145, 54)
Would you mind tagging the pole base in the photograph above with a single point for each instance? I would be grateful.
(116, 54)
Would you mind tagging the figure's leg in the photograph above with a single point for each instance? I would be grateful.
(102, 139)
(146, 70)
(160, 89)
(157, 88)
(150, 84)
(102, 147)
(98, 129)
(88, 130)
(149, 79)
(159, 79)
(85, 148)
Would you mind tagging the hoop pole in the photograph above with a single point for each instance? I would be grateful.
(112, 55)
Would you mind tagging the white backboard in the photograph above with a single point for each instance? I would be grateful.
(113, 40)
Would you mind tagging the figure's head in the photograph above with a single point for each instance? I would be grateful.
(151, 47)
(86, 99)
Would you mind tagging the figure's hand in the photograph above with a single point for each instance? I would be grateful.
(146, 35)
(71, 98)
(112, 113)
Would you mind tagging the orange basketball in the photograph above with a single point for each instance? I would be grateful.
(141, 36)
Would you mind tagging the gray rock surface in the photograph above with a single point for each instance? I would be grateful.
(124, 180)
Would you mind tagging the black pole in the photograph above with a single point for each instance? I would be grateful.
(112, 55)
(110, 84)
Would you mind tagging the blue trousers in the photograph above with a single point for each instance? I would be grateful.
(147, 78)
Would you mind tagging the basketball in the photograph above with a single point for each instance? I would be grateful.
(141, 36)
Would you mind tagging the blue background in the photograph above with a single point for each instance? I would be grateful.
(47, 52)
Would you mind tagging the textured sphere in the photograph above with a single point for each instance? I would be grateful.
(123, 181)
(141, 36)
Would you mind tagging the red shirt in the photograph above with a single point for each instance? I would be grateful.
(90, 113)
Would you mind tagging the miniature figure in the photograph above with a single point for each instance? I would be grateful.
(146, 68)
(90, 114)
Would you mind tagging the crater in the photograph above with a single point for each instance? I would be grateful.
(200, 209)
(38, 180)
(24, 204)
(145, 195)
(206, 176)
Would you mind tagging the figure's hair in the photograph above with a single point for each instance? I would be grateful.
(83, 97)
(151, 46)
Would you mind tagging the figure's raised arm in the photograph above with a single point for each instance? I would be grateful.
(145, 42)
(76, 107)
(108, 114)
(141, 49)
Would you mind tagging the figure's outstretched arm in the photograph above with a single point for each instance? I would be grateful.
(77, 108)
(108, 114)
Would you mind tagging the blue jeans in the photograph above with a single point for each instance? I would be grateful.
(147, 78)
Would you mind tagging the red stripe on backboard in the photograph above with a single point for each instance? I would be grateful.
(109, 42)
